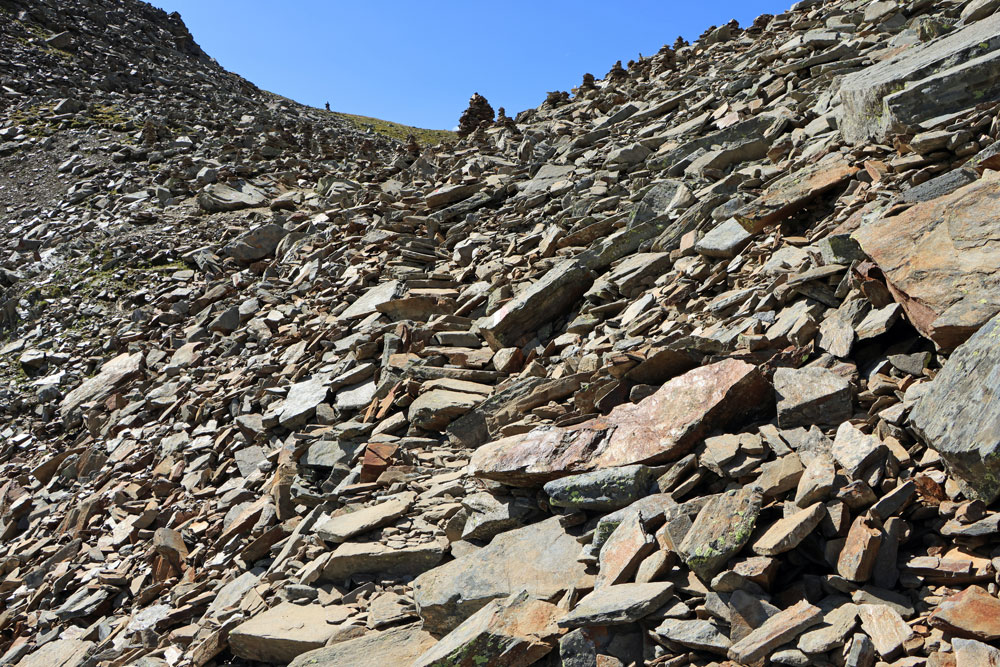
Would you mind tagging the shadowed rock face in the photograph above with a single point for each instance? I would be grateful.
(660, 428)
(940, 259)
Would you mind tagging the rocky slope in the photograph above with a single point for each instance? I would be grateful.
(693, 366)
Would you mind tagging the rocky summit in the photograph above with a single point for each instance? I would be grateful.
(695, 364)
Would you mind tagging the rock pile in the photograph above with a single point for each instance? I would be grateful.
(695, 367)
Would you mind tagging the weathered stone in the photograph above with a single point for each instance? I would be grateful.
(723, 526)
(302, 400)
(659, 428)
(779, 629)
(958, 415)
(256, 243)
(927, 80)
(59, 653)
(122, 368)
(396, 646)
(230, 196)
(725, 240)
(792, 192)
(696, 634)
(623, 551)
(856, 452)
(886, 627)
(838, 623)
(369, 302)
(786, 534)
(606, 490)
(971, 653)
(540, 558)
(352, 558)
(616, 605)
(339, 528)
(284, 632)
(857, 557)
(811, 396)
(939, 257)
(434, 410)
(972, 613)
(515, 631)
(449, 194)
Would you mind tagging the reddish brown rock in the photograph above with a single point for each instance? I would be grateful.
(791, 193)
(973, 613)
(940, 260)
(660, 428)
(857, 558)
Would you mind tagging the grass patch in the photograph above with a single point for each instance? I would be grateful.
(398, 131)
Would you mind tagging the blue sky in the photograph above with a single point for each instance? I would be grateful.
(419, 62)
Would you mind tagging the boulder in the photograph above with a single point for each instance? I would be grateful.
(661, 427)
(959, 415)
(939, 77)
(230, 196)
(255, 244)
(396, 646)
(540, 559)
(939, 259)
(284, 632)
(518, 630)
(811, 396)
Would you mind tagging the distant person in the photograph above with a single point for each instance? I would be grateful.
(327, 106)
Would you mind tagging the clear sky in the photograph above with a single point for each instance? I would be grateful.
(418, 62)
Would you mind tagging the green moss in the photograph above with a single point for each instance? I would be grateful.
(398, 131)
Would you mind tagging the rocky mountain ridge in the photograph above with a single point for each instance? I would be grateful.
(691, 365)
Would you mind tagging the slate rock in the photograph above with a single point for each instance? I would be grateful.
(605, 490)
(811, 396)
(539, 558)
(958, 415)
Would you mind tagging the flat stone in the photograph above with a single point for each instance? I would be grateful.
(958, 415)
(601, 490)
(255, 244)
(489, 516)
(230, 196)
(617, 605)
(342, 527)
(282, 633)
(518, 630)
(302, 400)
(927, 80)
(792, 192)
(972, 613)
(837, 625)
(856, 452)
(449, 194)
(859, 553)
(811, 396)
(540, 558)
(725, 241)
(777, 630)
(787, 533)
(59, 653)
(120, 369)
(939, 258)
(723, 526)
(696, 634)
(369, 302)
(886, 627)
(352, 558)
(434, 410)
(624, 550)
(395, 646)
(659, 428)
(970, 653)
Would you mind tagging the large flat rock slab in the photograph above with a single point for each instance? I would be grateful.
(959, 416)
(540, 559)
(661, 427)
(948, 74)
(940, 259)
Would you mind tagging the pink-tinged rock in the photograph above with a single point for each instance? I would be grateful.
(120, 369)
(626, 547)
(779, 629)
(939, 259)
(970, 653)
(972, 613)
(661, 427)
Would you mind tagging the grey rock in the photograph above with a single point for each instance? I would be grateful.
(256, 243)
(602, 490)
(808, 396)
(230, 196)
(616, 605)
(959, 416)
